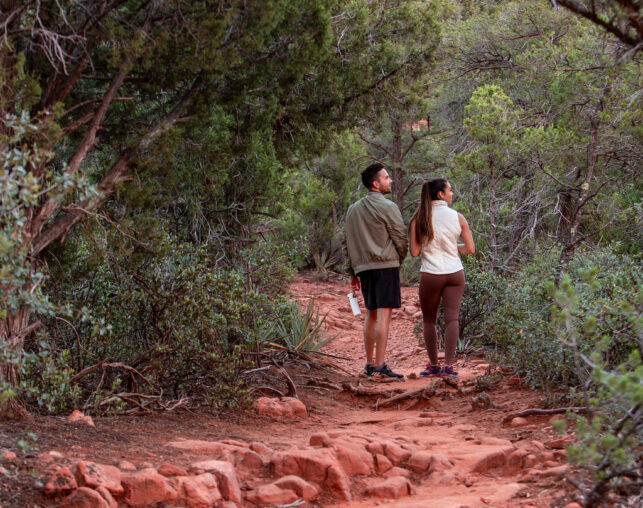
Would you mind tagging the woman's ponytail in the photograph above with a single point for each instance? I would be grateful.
(423, 217)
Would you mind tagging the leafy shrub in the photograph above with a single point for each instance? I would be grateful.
(183, 323)
(521, 324)
(301, 332)
(608, 440)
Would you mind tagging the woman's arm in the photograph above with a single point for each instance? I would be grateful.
(414, 246)
(468, 247)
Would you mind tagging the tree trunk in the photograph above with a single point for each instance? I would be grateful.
(397, 172)
(493, 228)
(13, 330)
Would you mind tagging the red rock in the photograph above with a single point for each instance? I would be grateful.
(107, 496)
(84, 497)
(197, 491)
(226, 476)
(393, 488)
(77, 416)
(382, 464)
(169, 470)
(147, 487)
(519, 422)
(46, 458)
(353, 459)
(558, 443)
(270, 406)
(299, 486)
(537, 445)
(491, 460)
(398, 471)
(513, 381)
(240, 456)
(319, 466)
(375, 448)
(270, 495)
(59, 481)
(126, 465)
(572, 505)
(439, 462)
(94, 475)
(419, 461)
(516, 458)
(260, 448)
(395, 453)
(321, 439)
(530, 461)
(9, 456)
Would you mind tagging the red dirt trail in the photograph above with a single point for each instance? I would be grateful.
(485, 462)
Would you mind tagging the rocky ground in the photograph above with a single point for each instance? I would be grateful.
(343, 441)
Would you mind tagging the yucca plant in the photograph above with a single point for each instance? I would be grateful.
(300, 332)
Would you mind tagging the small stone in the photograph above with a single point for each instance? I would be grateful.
(107, 496)
(299, 486)
(169, 470)
(145, 488)
(126, 465)
(572, 505)
(398, 471)
(558, 443)
(84, 497)
(270, 495)
(392, 488)
(78, 416)
(59, 481)
(9, 456)
(519, 421)
(420, 461)
(45, 458)
(94, 475)
(513, 381)
(382, 464)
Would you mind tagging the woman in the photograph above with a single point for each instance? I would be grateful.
(434, 232)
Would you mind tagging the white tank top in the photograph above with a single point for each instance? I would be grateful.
(440, 255)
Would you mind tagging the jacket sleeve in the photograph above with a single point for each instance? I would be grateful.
(397, 231)
(348, 268)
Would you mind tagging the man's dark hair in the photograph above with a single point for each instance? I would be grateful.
(369, 175)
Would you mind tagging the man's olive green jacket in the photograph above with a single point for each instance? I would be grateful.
(375, 235)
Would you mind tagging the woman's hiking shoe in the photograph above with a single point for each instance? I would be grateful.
(368, 369)
(384, 371)
(431, 371)
(448, 371)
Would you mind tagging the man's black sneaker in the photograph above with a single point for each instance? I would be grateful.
(369, 369)
(384, 371)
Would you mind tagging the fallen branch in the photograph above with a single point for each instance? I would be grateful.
(425, 393)
(267, 388)
(369, 392)
(292, 390)
(102, 365)
(323, 384)
(544, 412)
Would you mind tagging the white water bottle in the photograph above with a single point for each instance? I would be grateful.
(354, 304)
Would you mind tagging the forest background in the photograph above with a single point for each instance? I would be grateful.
(168, 166)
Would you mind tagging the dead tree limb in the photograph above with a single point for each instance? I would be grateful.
(544, 412)
(292, 390)
(424, 392)
(369, 392)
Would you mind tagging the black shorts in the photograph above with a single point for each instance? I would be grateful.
(381, 288)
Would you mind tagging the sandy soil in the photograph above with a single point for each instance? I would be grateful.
(446, 422)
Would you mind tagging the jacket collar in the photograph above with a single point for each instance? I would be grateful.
(439, 202)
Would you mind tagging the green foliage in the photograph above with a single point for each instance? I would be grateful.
(301, 332)
(607, 440)
(521, 325)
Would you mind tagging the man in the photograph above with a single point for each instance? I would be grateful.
(375, 245)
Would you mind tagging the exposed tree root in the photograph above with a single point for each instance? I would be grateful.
(421, 393)
(543, 412)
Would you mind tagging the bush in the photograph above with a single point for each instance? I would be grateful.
(608, 440)
(522, 329)
(184, 324)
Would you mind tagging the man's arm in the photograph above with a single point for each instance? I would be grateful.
(348, 268)
(397, 231)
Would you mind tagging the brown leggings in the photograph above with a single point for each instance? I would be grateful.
(450, 288)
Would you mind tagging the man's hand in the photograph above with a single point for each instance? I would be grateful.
(355, 285)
